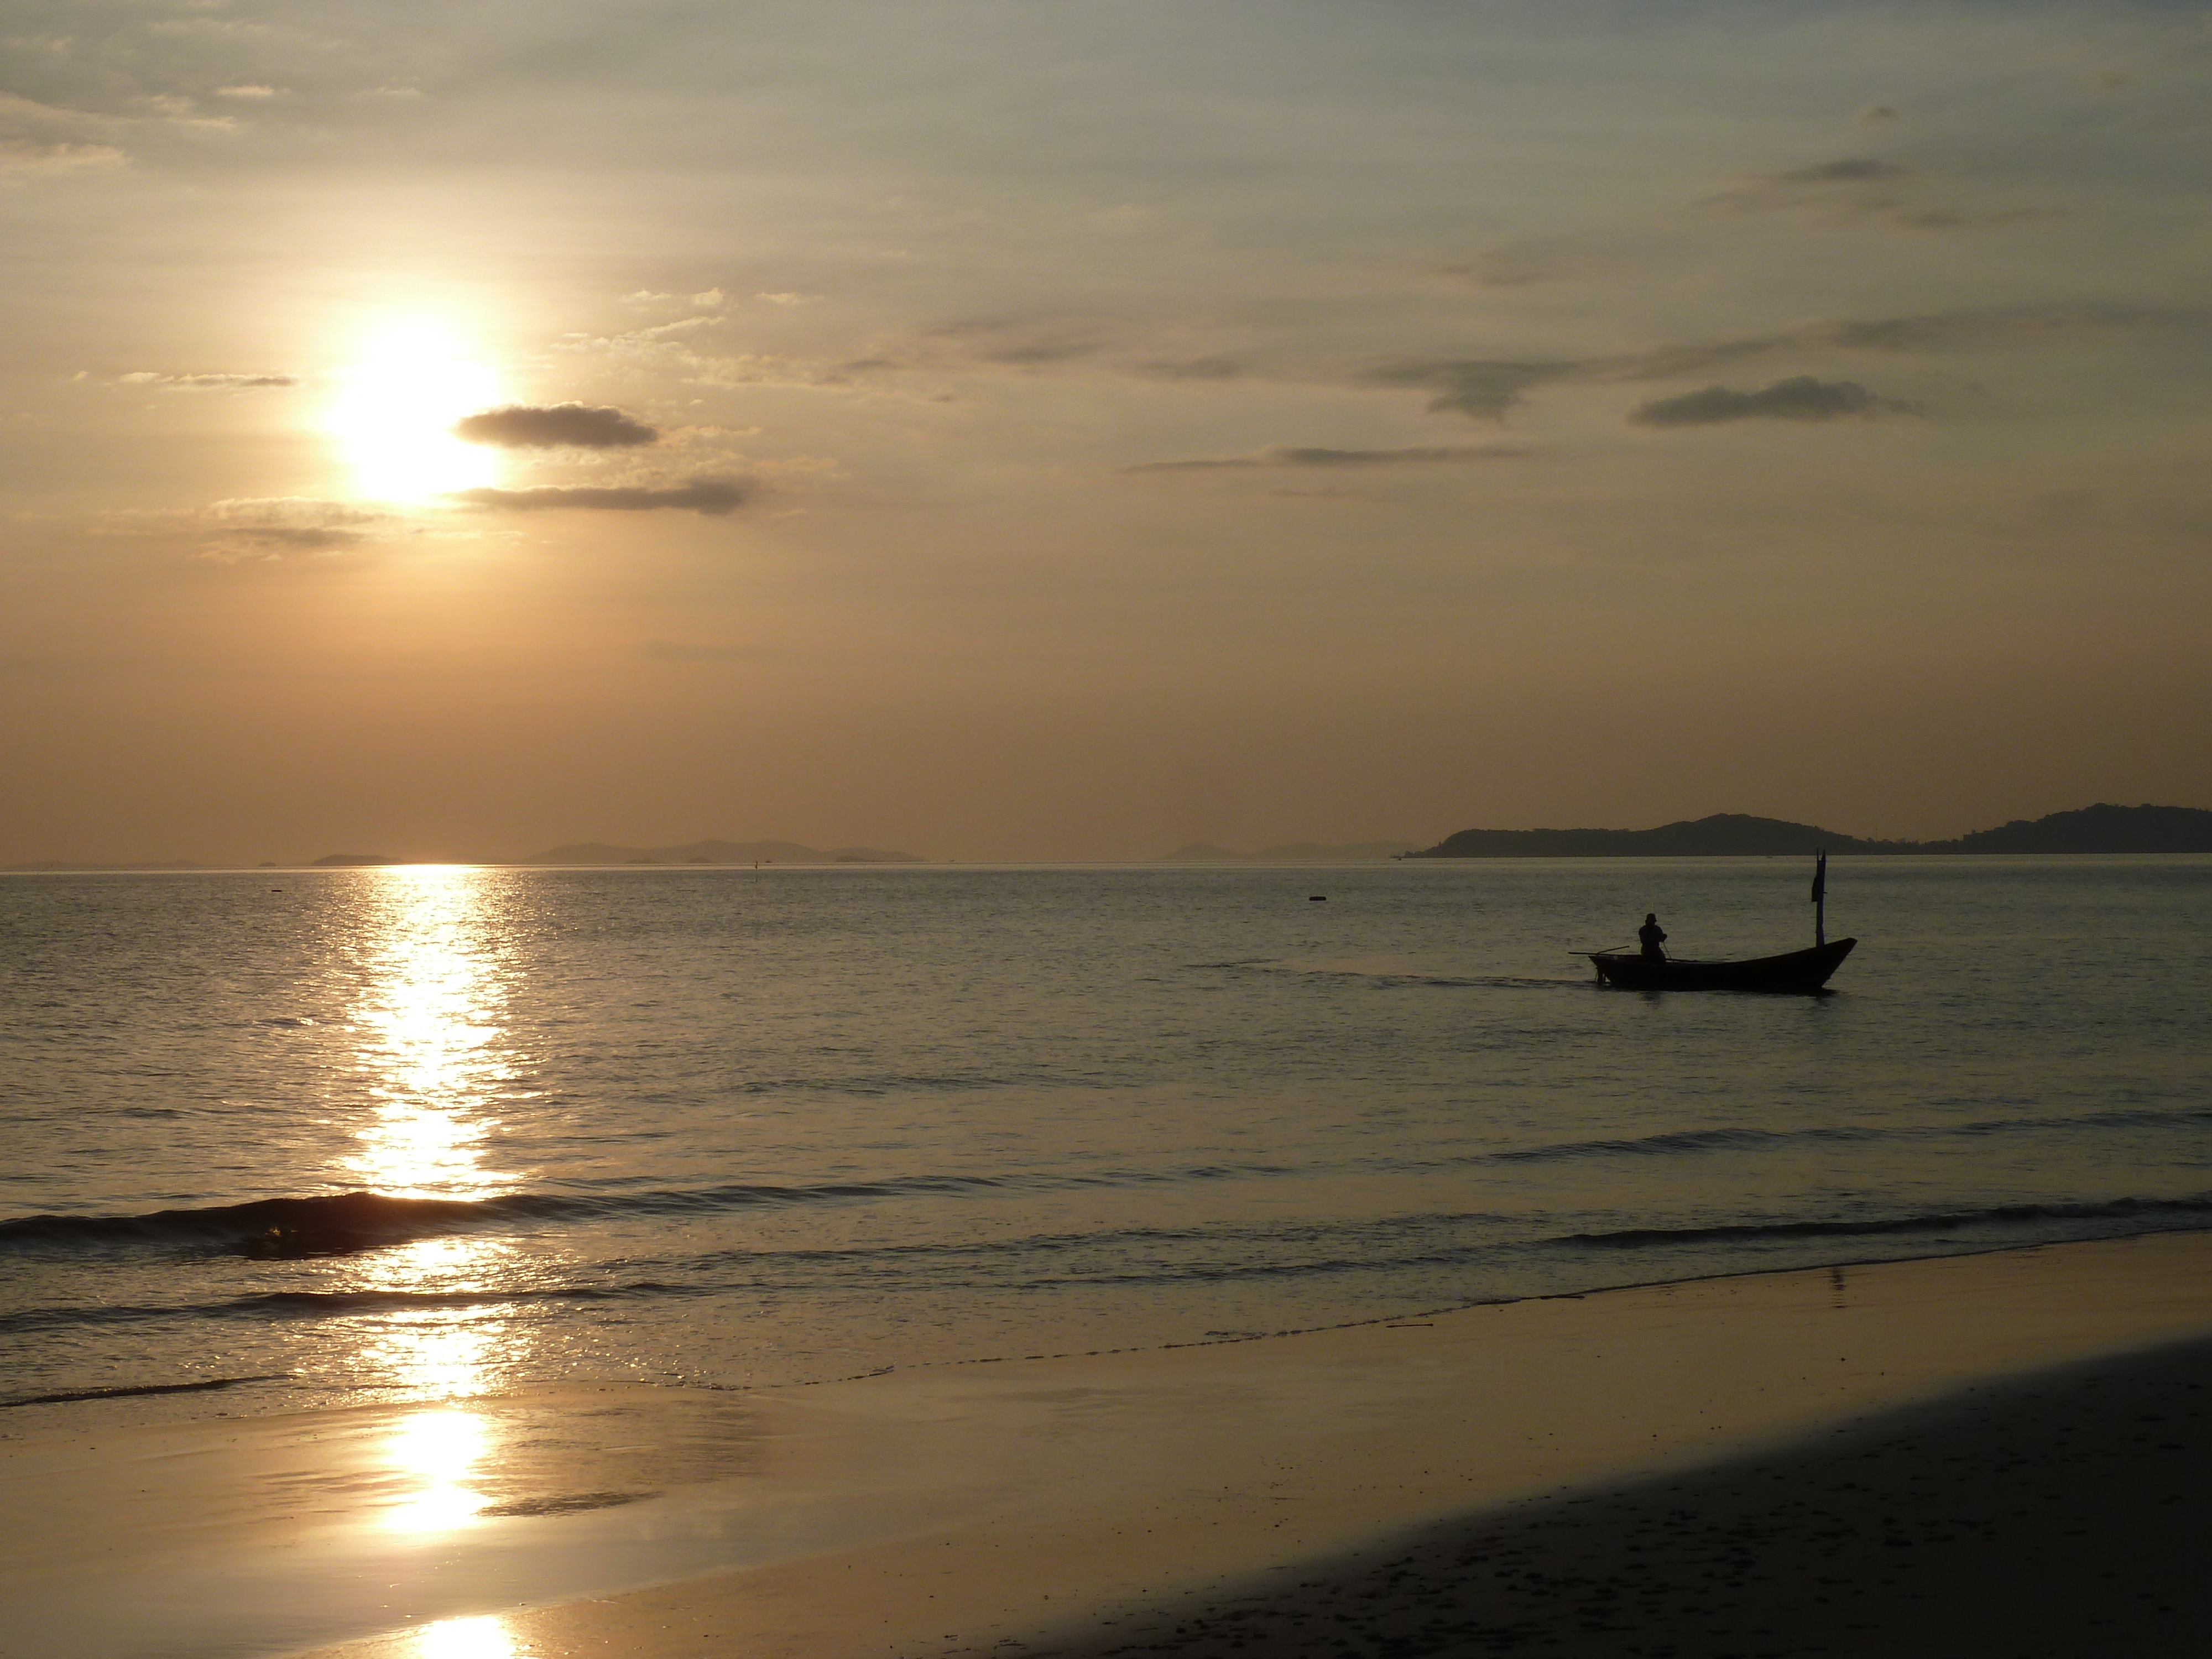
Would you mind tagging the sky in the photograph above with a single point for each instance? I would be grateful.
(1073, 428)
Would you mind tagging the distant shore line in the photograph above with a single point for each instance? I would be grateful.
(2100, 830)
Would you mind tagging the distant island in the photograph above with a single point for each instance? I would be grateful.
(2098, 828)
(63, 868)
(1298, 852)
(719, 852)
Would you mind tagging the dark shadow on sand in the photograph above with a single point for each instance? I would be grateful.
(2060, 1517)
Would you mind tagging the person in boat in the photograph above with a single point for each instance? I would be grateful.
(1652, 936)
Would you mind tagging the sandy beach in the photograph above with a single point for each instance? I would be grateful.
(2006, 1448)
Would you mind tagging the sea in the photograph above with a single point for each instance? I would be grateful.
(276, 1140)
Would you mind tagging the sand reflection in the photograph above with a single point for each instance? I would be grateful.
(485, 1637)
(439, 1453)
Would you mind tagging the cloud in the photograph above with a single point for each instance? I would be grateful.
(302, 521)
(1877, 115)
(1799, 397)
(207, 382)
(1858, 188)
(254, 92)
(1522, 264)
(788, 299)
(1040, 352)
(1832, 186)
(1856, 171)
(1487, 389)
(1286, 457)
(1483, 388)
(712, 496)
(36, 137)
(1024, 343)
(259, 527)
(554, 426)
(1193, 368)
(55, 155)
(1944, 330)
(681, 325)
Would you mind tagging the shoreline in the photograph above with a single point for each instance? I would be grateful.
(943, 1508)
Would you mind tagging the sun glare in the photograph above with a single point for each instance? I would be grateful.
(395, 414)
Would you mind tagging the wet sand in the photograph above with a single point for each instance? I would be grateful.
(2061, 1517)
(2000, 1455)
(1816, 1461)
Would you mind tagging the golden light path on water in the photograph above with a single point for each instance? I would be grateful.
(436, 1067)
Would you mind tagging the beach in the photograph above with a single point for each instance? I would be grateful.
(467, 1264)
(1684, 1468)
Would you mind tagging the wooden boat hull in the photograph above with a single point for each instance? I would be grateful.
(1796, 970)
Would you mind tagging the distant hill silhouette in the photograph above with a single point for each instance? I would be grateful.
(2098, 828)
(718, 851)
(1298, 852)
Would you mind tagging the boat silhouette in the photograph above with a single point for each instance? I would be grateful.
(1799, 971)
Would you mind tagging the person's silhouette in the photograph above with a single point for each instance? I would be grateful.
(1652, 936)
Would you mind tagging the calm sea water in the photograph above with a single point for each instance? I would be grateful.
(419, 1132)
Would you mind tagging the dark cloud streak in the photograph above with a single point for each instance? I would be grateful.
(209, 382)
(554, 426)
(1487, 389)
(1288, 457)
(1481, 388)
(712, 496)
(1799, 397)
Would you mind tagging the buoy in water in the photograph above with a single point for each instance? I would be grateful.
(1316, 898)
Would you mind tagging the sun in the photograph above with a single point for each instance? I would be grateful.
(394, 413)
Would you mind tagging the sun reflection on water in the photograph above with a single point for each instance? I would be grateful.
(436, 1067)
(434, 1045)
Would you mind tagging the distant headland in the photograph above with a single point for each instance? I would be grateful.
(2098, 828)
(1302, 851)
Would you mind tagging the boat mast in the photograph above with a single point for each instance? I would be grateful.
(1820, 897)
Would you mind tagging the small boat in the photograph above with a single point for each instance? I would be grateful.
(1794, 970)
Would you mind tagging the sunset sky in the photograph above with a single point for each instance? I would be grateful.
(1068, 430)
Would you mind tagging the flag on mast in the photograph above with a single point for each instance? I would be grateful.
(1821, 878)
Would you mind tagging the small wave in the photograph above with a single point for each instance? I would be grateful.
(567, 1504)
(76, 1394)
(338, 1223)
(327, 1304)
(2001, 1215)
(327, 1225)
(1474, 982)
(1681, 1141)
(1737, 1139)
(1393, 979)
